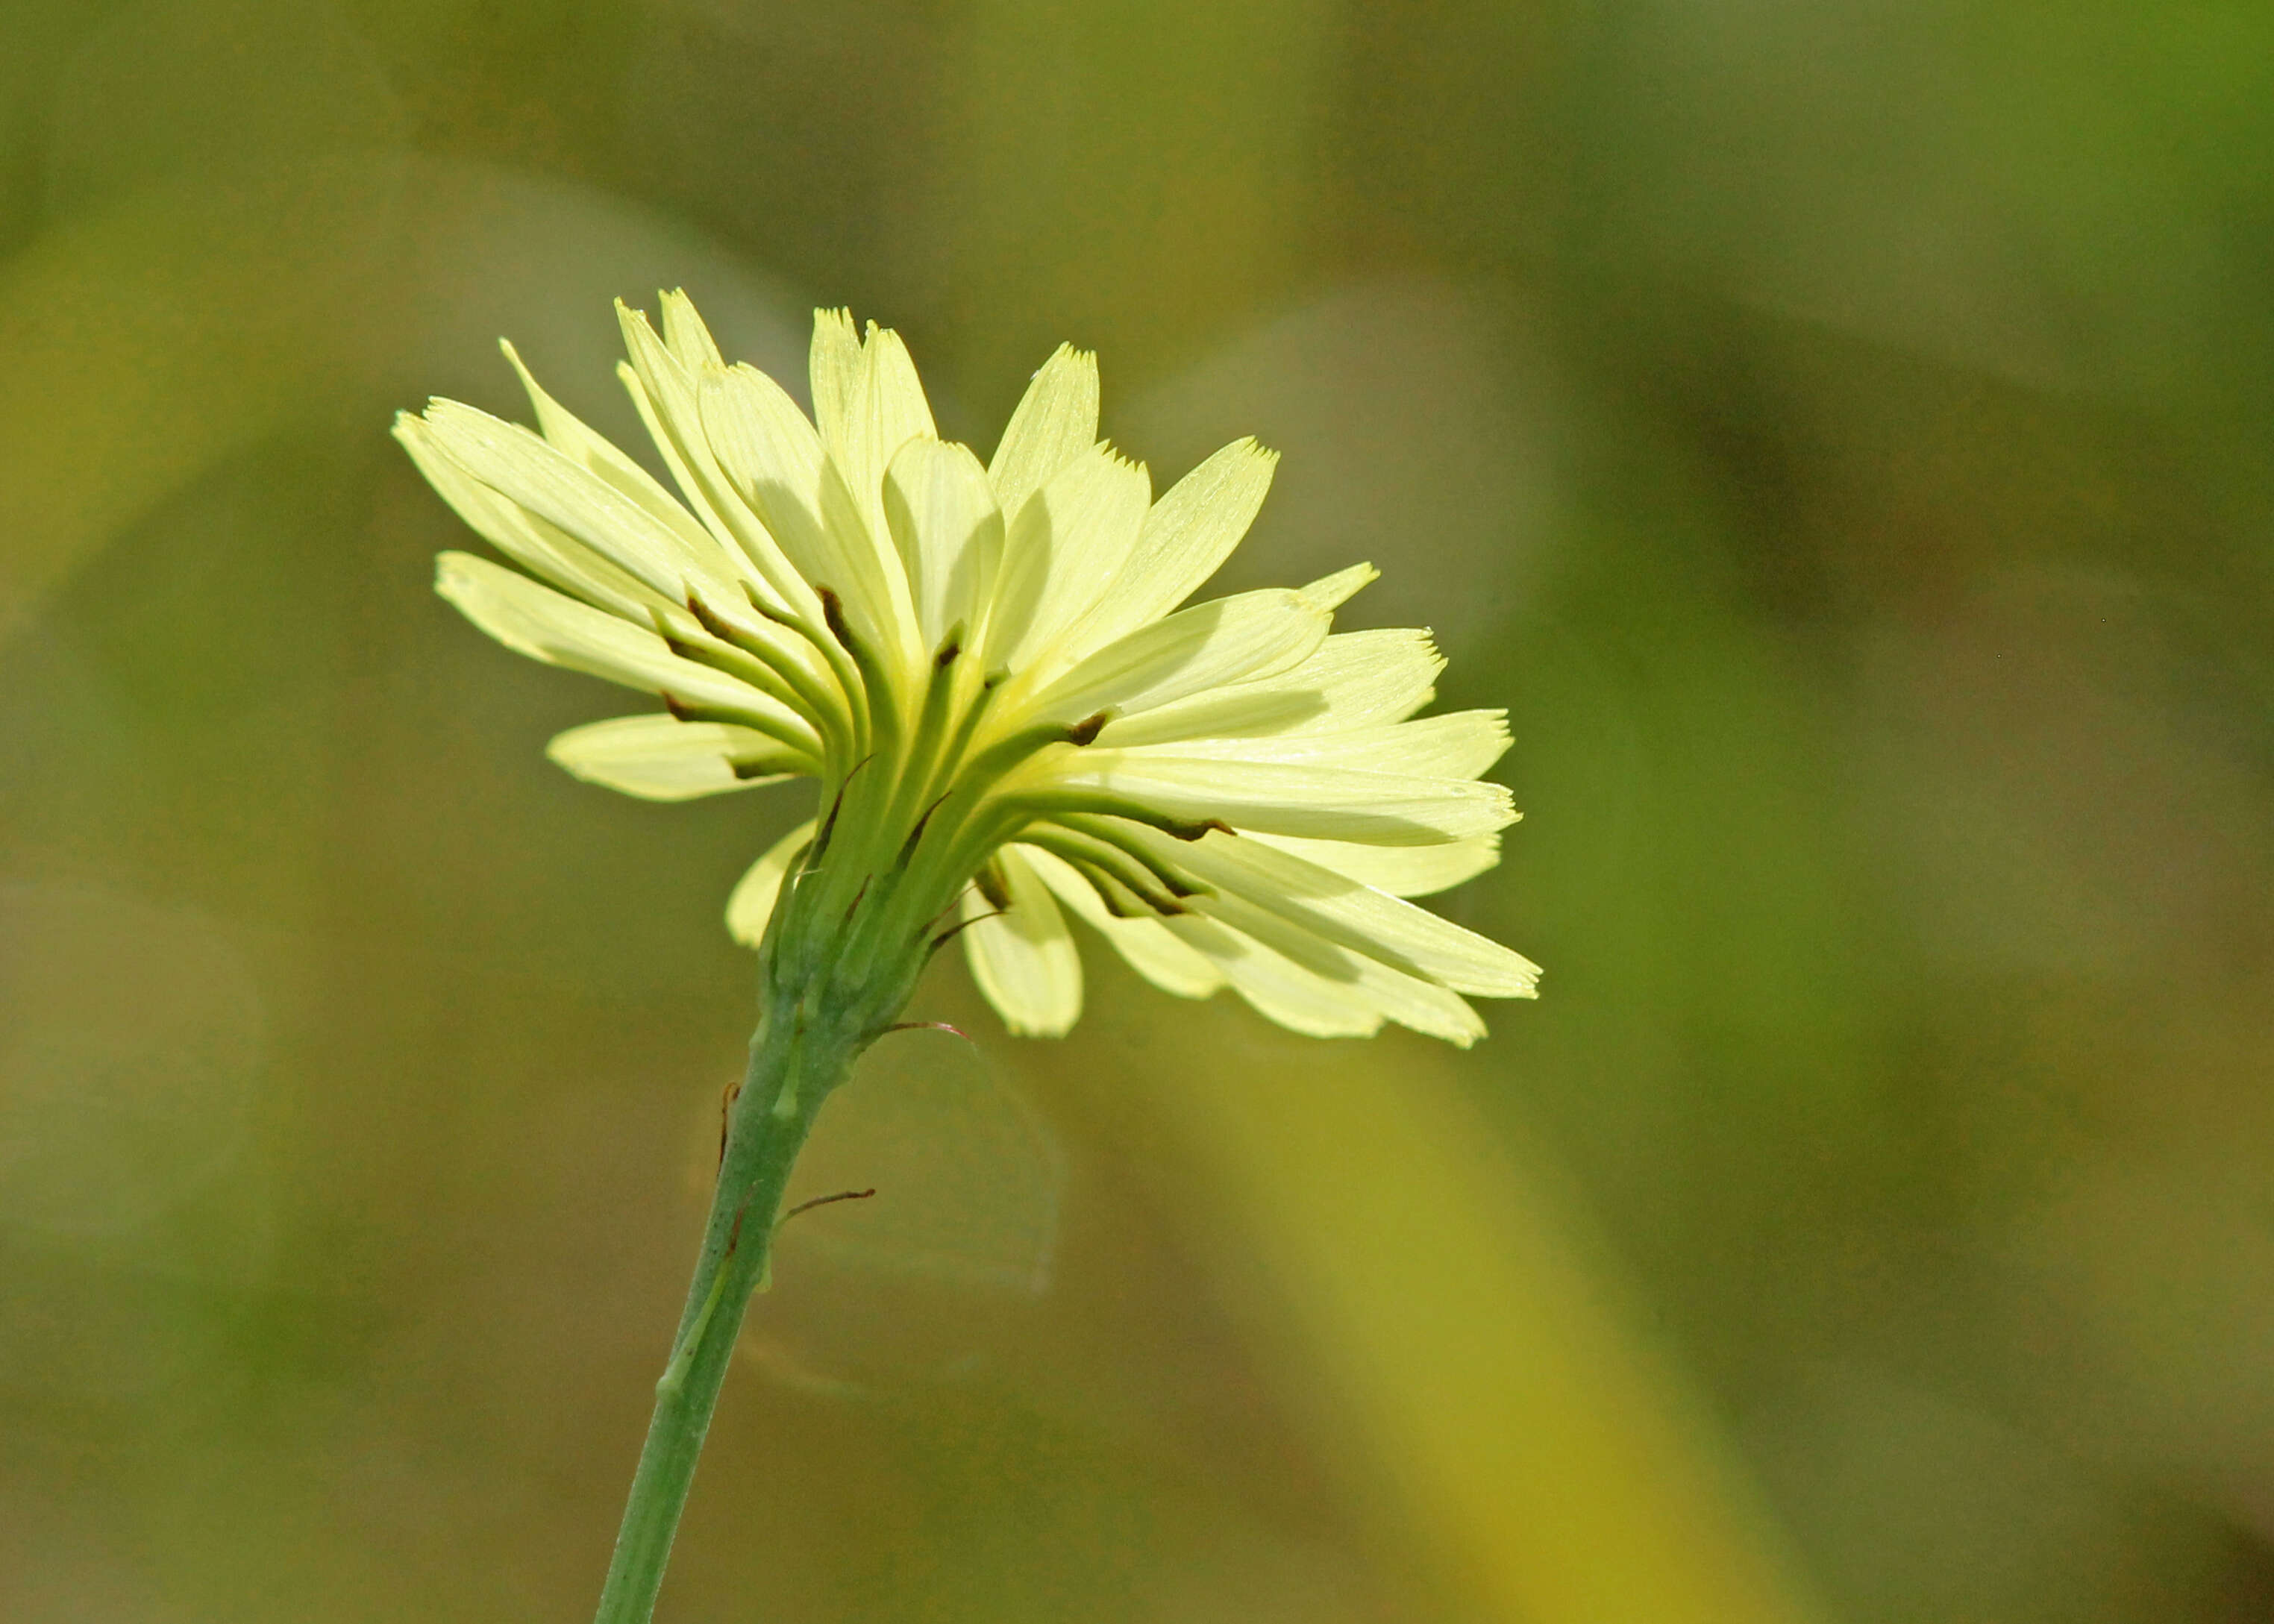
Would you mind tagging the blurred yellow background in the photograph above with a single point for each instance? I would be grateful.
(1839, 432)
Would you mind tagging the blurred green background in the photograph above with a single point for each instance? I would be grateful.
(1837, 430)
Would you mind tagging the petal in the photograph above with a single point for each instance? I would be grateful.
(1352, 915)
(751, 903)
(1188, 533)
(772, 458)
(868, 403)
(521, 535)
(1295, 954)
(894, 410)
(1065, 545)
(689, 341)
(669, 391)
(535, 621)
(1333, 591)
(1460, 744)
(950, 534)
(877, 597)
(524, 468)
(1149, 947)
(834, 370)
(1056, 422)
(1410, 1001)
(662, 758)
(667, 397)
(775, 462)
(567, 432)
(1274, 986)
(1354, 679)
(1229, 640)
(1023, 959)
(1324, 803)
(1401, 870)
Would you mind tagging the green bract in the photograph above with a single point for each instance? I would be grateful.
(987, 670)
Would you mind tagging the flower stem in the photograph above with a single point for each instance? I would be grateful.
(794, 1066)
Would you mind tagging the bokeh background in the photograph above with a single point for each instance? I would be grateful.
(1838, 431)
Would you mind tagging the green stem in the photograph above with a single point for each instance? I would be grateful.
(794, 1064)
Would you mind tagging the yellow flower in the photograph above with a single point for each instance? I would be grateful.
(986, 668)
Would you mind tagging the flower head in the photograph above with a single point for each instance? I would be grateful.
(986, 669)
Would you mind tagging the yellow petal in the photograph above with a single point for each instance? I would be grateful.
(667, 397)
(1342, 910)
(521, 535)
(834, 370)
(523, 467)
(1228, 640)
(1056, 422)
(1024, 960)
(771, 457)
(543, 624)
(775, 462)
(683, 331)
(662, 758)
(1333, 591)
(876, 594)
(1401, 870)
(1065, 545)
(893, 410)
(1147, 946)
(567, 432)
(868, 403)
(751, 903)
(1318, 803)
(1460, 744)
(1354, 679)
(942, 517)
(1187, 534)
(1274, 986)
(668, 385)
(1410, 1001)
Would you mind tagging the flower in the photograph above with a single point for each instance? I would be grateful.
(987, 670)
